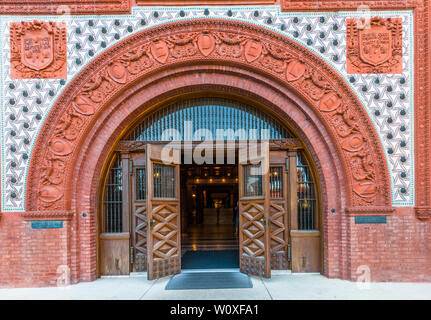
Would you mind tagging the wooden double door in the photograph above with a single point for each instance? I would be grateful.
(151, 200)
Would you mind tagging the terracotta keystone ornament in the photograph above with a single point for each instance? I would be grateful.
(374, 46)
(38, 50)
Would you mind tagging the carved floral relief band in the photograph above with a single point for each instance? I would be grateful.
(374, 46)
(38, 50)
(198, 41)
(64, 6)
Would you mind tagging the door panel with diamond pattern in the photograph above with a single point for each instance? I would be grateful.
(163, 208)
(138, 187)
(140, 237)
(278, 224)
(254, 202)
(278, 228)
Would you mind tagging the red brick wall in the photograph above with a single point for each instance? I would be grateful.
(30, 257)
(399, 250)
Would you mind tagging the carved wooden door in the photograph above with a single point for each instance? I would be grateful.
(163, 212)
(278, 223)
(254, 200)
(138, 186)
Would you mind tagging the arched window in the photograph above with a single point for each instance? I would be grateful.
(211, 115)
(306, 195)
(113, 199)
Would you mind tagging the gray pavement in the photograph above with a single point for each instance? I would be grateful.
(281, 286)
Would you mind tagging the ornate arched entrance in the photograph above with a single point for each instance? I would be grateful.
(208, 208)
(235, 58)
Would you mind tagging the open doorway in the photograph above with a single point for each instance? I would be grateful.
(209, 211)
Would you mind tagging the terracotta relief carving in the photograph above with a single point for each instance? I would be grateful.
(206, 43)
(285, 144)
(337, 5)
(422, 81)
(374, 46)
(64, 6)
(38, 50)
(363, 159)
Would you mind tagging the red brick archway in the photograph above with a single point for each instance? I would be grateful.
(224, 56)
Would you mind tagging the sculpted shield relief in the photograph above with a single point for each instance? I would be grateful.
(374, 45)
(38, 50)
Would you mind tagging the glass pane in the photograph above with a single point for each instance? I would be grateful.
(306, 195)
(113, 198)
(276, 182)
(211, 114)
(164, 181)
(252, 181)
(141, 184)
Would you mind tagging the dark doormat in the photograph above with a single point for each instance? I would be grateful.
(214, 259)
(209, 280)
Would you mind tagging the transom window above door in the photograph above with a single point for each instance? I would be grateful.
(208, 119)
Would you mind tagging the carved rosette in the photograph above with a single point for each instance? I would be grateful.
(224, 42)
(374, 45)
(38, 50)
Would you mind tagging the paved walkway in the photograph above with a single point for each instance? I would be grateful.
(280, 286)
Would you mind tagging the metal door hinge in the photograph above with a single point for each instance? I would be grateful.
(131, 255)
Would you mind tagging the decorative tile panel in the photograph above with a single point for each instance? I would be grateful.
(388, 98)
